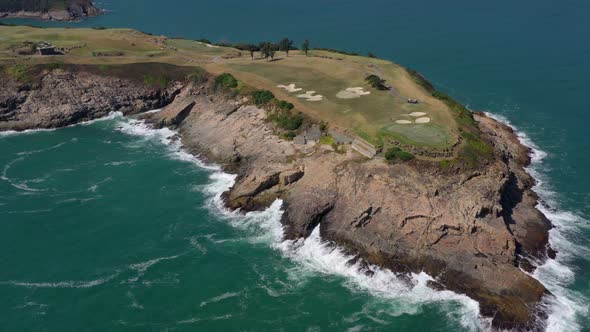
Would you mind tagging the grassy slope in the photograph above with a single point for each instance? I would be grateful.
(372, 116)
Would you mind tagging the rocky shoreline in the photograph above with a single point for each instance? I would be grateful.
(474, 230)
(73, 11)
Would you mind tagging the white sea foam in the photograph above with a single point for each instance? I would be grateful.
(568, 305)
(110, 116)
(61, 284)
(219, 298)
(314, 256)
(141, 268)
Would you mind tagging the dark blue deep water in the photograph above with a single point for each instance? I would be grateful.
(113, 259)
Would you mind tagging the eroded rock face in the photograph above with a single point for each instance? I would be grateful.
(470, 229)
(70, 11)
(473, 230)
(62, 98)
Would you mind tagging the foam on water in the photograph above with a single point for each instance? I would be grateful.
(61, 284)
(313, 255)
(567, 305)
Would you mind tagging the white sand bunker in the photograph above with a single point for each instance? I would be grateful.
(351, 93)
(403, 122)
(311, 96)
(290, 88)
(417, 114)
(422, 120)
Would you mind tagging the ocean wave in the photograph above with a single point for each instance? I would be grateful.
(315, 256)
(10, 133)
(567, 306)
(165, 136)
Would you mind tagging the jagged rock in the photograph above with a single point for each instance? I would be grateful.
(469, 229)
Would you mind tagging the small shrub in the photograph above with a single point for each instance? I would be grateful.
(397, 153)
(262, 97)
(284, 105)
(376, 82)
(289, 121)
(226, 81)
(373, 56)
(289, 136)
(324, 126)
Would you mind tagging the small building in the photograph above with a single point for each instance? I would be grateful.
(44, 48)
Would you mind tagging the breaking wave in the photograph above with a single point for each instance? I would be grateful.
(313, 255)
(567, 305)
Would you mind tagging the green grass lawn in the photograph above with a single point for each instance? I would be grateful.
(371, 116)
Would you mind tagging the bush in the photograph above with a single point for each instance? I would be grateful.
(262, 97)
(289, 121)
(324, 126)
(226, 80)
(284, 105)
(376, 82)
(289, 136)
(397, 153)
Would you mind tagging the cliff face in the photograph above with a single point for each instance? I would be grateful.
(58, 10)
(61, 98)
(471, 229)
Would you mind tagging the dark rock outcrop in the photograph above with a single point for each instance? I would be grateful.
(61, 98)
(56, 10)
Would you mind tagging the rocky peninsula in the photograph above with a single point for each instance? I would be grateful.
(53, 10)
(473, 229)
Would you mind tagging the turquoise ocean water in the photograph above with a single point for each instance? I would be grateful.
(110, 226)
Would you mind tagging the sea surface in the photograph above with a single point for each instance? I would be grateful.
(109, 225)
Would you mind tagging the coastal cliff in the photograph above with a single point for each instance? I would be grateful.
(473, 229)
(55, 10)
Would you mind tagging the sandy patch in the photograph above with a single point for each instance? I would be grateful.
(403, 122)
(311, 96)
(290, 88)
(417, 114)
(422, 120)
(351, 93)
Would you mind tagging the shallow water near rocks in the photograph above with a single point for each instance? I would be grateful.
(109, 226)
(525, 61)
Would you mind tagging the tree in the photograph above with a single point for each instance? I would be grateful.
(268, 50)
(305, 46)
(252, 48)
(285, 45)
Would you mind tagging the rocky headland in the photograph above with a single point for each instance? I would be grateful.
(474, 229)
(54, 10)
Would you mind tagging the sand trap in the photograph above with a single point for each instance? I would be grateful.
(351, 93)
(422, 120)
(403, 122)
(417, 114)
(311, 96)
(290, 88)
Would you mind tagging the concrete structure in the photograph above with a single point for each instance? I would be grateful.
(365, 148)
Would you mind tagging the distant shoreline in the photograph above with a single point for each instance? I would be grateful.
(73, 13)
